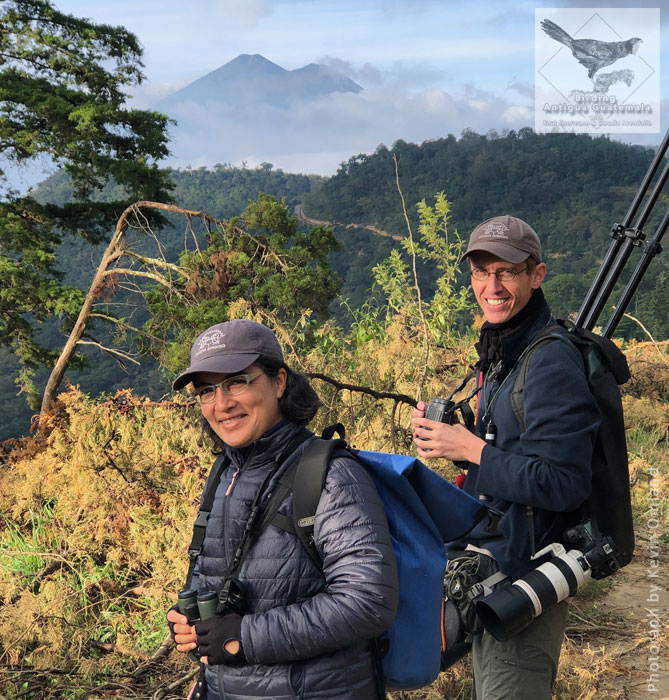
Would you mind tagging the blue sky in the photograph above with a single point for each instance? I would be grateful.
(417, 44)
(429, 67)
(413, 43)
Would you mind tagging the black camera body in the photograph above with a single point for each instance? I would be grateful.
(601, 551)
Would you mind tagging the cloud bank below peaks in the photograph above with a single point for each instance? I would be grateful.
(316, 136)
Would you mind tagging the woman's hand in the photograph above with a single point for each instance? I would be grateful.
(184, 635)
(219, 639)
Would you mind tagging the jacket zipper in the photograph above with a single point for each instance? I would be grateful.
(232, 483)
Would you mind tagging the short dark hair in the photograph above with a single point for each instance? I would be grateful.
(299, 402)
(531, 265)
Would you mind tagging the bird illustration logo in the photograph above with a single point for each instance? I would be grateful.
(592, 53)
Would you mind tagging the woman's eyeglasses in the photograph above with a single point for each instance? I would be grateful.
(232, 386)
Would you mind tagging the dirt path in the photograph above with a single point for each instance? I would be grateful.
(318, 222)
(630, 625)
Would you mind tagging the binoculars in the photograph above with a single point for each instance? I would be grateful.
(197, 606)
(443, 411)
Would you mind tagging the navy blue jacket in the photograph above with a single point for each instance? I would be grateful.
(548, 465)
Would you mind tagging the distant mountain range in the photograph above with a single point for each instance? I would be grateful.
(253, 80)
(251, 110)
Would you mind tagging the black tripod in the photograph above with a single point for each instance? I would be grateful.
(626, 237)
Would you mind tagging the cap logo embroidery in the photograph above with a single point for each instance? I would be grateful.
(495, 229)
(210, 341)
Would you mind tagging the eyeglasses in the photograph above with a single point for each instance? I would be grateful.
(503, 275)
(232, 386)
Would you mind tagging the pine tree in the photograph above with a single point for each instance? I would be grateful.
(63, 100)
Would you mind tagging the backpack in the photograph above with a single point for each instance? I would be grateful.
(608, 510)
(424, 511)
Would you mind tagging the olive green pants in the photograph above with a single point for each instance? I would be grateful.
(524, 667)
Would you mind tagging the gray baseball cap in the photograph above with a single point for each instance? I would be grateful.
(230, 347)
(507, 237)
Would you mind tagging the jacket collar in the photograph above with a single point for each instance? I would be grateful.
(266, 448)
(514, 344)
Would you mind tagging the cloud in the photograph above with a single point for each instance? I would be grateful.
(410, 75)
(522, 88)
(246, 12)
(146, 95)
(366, 74)
(317, 136)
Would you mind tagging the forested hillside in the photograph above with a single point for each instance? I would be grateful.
(111, 268)
(570, 187)
(222, 192)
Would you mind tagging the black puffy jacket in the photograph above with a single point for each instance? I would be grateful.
(306, 633)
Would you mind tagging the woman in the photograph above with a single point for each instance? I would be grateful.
(305, 630)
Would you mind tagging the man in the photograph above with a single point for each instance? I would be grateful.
(534, 479)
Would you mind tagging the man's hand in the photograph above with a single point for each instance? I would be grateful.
(184, 635)
(452, 442)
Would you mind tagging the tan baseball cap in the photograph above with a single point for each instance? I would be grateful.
(507, 237)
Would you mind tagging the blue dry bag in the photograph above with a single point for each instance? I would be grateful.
(424, 511)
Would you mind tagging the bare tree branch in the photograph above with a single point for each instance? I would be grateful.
(138, 273)
(647, 332)
(116, 250)
(426, 337)
(111, 351)
(152, 261)
(126, 327)
(362, 389)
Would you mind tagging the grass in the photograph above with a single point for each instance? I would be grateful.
(24, 546)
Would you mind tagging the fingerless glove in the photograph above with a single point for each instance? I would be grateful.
(214, 633)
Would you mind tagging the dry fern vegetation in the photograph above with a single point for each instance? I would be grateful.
(96, 517)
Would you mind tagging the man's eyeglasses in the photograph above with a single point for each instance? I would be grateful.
(232, 386)
(503, 275)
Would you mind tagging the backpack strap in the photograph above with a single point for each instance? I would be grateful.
(266, 504)
(306, 479)
(546, 335)
(200, 524)
(254, 529)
